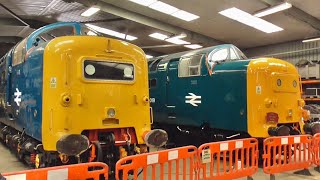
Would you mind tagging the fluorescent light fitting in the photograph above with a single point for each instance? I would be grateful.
(177, 41)
(90, 11)
(310, 40)
(163, 7)
(246, 18)
(273, 9)
(112, 33)
(158, 36)
(193, 46)
(131, 38)
(144, 2)
(184, 15)
(149, 56)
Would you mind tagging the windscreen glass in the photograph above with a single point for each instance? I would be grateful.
(107, 70)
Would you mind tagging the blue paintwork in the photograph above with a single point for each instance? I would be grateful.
(28, 78)
(223, 94)
(33, 36)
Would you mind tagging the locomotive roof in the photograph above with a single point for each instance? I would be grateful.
(169, 57)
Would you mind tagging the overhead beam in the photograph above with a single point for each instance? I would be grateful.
(9, 39)
(104, 20)
(10, 22)
(14, 15)
(142, 19)
(297, 14)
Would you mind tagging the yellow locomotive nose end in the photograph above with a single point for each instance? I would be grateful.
(155, 138)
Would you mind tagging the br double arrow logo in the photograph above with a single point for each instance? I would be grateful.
(193, 99)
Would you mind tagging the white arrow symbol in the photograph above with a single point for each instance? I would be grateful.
(17, 95)
(192, 99)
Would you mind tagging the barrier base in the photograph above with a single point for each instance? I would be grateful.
(249, 178)
(317, 169)
(305, 172)
(272, 177)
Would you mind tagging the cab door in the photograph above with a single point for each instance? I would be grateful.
(171, 90)
(8, 86)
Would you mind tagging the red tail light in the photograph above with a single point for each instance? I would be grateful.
(272, 117)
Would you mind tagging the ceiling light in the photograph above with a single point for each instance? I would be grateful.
(112, 33)
(149, 56)
(310, 40)
(163, 7)
(248, 19)
(193, 46)
(90, 11)
(158, 36)
(131, 38)
(177, 41)
(273, 9)
(144, 2)
(184, 15)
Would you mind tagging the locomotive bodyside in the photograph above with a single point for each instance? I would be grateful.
(196, 93)
(75, 98)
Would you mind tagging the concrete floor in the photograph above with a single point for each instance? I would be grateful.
(9, 163)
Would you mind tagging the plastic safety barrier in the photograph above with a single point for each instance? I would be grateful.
(92, 171)
(228, 159)
(177, 163)
(287, 153)
(316, 150)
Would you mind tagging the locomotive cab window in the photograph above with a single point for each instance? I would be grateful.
(154, 64)
(108, 70)
(53, 33)
(190, 66)
(19, 53)
(218, 55)
(233, 54)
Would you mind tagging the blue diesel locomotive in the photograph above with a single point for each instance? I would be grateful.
(215, 93)
(66, 97)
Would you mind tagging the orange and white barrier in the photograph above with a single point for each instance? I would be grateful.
(287, 153)
(177, 163)
(316, 149)
(228, 159)
(71, 172)
(218, 160)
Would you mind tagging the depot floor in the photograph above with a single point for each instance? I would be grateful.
(9, 163)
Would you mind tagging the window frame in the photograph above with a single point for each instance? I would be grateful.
(199, 66)
(235, 52)
(217, 50)
(24, 46)
(157, 62)
(52, 29)
(93, 80)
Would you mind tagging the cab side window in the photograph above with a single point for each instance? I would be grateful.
(154, 64)
(56, 32)
(190, 66)
(19, 53)
(233, 55)
(218, 55)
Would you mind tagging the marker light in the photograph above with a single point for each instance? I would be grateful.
(111, 112)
